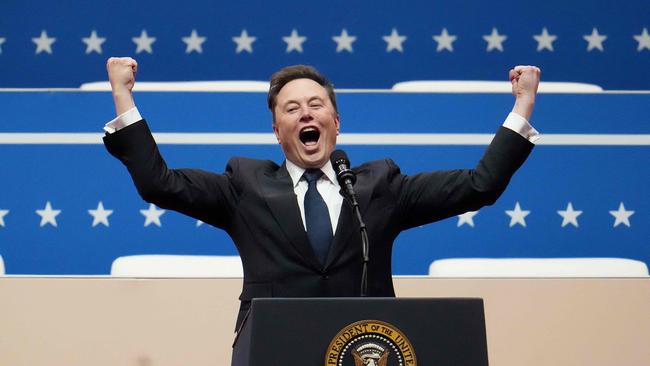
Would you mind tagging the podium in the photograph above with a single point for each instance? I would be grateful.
(362, 331)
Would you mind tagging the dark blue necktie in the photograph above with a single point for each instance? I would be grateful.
(317, 218)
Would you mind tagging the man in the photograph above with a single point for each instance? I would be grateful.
(285, 219)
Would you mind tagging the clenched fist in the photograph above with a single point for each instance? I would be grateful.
(121, 75)
(525, 80)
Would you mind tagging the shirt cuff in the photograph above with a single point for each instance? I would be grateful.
(521, 126)
(127, 118)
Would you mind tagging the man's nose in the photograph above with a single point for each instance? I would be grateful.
(305, 114)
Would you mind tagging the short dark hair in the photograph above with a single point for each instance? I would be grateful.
(280, 78)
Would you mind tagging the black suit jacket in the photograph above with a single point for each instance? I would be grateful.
(254, 202)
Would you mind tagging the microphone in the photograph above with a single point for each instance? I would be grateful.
(347, 178)
(344, 175)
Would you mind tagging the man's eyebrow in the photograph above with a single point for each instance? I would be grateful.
(315, 97)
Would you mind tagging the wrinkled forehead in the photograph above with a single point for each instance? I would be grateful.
(300, 90)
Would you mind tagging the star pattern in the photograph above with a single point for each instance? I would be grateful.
(43, 43)
(93, 43)
(595, 40)
(643, 39)
(294, 41)
(466, 218)
(621, 216)
(244, 42)
(48, 215)
(545, 40)
(517, 216)
(3, 213)
(569, 216)
(100, 215)
(143, 42)
(194, 42)
(445, 41)
(394, 41)
(152, 215)
(344, 41)
(495, 40)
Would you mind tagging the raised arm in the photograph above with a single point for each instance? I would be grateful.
(432, 196)
(121, 75)
(203, 195)
(525, 80)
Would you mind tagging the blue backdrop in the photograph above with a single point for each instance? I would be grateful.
(52, 44)
(73, 172)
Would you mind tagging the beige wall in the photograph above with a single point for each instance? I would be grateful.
(165, 322)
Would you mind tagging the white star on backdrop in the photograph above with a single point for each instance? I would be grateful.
(244, 42)
(444, 40)
(344, 41)
(569, 216)
(495, 40)
(545, 40)
(621, 215)
(199, 223)
(595, 40)
(144, 42)
(294, 41)
(466, 218)
(152, 215)
(2, 40)
(48, 215)
(3, 213)
(43, 43)
(93, 43)
(517, 216)
(194, 42)
(643, 39)
(394, 41)
(100, 215)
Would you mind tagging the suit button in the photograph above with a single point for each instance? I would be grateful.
(325, 277)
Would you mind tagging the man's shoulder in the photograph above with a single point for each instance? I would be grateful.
(249, 164)
(385, 164)
(382, 169)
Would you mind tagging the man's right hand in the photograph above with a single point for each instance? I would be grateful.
(121, 75)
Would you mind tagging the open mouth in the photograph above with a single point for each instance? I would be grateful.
(309, 136)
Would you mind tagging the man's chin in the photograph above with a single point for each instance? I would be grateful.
(315, 160)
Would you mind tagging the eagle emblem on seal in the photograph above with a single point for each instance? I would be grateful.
(370, 354)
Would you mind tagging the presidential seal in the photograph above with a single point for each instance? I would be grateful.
(370, 343)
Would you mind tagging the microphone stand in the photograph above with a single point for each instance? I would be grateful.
(365, 244)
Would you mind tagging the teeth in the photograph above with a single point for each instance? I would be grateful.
(309, 129)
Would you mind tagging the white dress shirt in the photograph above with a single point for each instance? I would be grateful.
(327, 185)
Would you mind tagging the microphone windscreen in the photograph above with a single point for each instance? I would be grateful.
(338, 157)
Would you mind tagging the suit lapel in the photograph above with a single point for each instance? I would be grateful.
(281, 199)
(348, 222)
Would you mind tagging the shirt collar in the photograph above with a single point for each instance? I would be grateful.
(296, 172)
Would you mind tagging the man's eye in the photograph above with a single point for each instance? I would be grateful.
(292, 109)
(316, 105)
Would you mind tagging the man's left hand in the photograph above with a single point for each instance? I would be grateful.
(525, 80)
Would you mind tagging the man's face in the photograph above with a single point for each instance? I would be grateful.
(306, 124)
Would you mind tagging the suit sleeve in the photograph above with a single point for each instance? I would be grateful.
(206, 196)
(433, 196)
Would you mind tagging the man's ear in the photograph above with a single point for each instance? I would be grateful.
(338, 124)
(276, 131)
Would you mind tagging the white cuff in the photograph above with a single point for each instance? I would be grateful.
(127, 118)
(521, 126)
